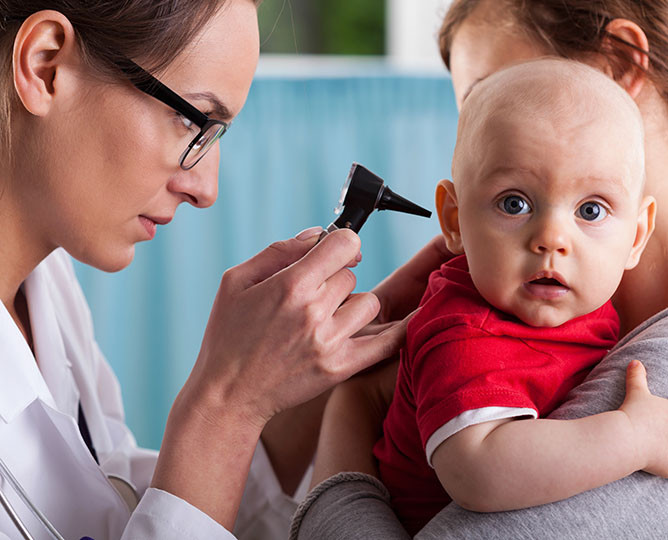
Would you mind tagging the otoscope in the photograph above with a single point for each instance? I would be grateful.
(363, 193)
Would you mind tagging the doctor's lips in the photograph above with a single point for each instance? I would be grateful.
(150, 223)
(547, 285)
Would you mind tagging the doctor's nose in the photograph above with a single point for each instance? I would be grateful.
(199, 185)
(550, 236)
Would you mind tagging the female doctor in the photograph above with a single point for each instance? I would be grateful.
(96, 154)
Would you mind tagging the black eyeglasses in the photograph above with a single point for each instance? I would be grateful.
(210, 130)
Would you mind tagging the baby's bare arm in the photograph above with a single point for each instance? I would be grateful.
(512, 464)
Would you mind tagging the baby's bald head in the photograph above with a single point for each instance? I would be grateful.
(571, 95)
(547, 200)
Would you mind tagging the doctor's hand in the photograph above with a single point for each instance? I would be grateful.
(282, 325)
(280, 333)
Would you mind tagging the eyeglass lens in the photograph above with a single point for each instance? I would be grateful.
(202, 145)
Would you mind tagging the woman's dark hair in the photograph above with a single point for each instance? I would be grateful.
(153, 32)
(575, 28)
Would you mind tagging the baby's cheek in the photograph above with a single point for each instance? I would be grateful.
(495, 287)
(595, 292)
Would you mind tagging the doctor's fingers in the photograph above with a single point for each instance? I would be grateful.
(335, 291)
(335, 251)
(267, 263)
(355, 313)
(365, 351)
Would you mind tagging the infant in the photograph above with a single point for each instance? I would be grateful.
(547, 205)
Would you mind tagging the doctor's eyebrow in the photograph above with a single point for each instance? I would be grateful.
(218, 109)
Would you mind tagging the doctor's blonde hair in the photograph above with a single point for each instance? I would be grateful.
(151, 32)
(575, 28)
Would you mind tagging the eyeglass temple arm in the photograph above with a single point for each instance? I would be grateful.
(148, 84)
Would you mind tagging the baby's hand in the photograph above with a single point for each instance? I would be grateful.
(649, 417)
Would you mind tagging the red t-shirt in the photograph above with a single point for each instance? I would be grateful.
(462, 355)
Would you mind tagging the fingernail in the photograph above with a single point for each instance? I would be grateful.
(309, 233)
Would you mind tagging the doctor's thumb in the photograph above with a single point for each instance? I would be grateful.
(271, 260)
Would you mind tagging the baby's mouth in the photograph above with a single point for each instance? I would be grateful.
(547, 285)
(547, 281)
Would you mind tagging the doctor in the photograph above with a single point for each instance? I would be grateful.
(95, 155)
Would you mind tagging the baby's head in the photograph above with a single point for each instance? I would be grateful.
(547, 193)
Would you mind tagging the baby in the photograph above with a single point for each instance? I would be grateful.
(547, 204)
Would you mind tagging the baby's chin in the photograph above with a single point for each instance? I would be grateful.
(547, 316)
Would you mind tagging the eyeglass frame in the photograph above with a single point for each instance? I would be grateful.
(147, 83)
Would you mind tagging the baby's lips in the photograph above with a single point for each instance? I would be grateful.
(547, 276)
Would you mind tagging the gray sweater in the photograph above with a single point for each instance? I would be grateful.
(356, 506)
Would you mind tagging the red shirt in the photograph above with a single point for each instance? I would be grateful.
(462, 354)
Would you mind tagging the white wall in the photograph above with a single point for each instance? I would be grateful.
(412, 29)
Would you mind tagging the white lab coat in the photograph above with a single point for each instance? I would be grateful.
(41, 444)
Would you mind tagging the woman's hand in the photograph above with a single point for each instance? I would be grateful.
(279, 334)
(649, 416)
(281, 325)
(400, 293)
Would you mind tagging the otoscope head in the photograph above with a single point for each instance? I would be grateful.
(391, 201)
(365, 192)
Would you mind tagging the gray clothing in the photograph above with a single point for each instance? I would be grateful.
(356, 506)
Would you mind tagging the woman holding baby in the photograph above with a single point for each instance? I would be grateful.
(626, 40)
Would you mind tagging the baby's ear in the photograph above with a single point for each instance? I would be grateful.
(644, 230)
(448, 215)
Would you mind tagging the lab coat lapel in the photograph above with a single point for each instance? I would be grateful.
(20, 380)
(48, 342)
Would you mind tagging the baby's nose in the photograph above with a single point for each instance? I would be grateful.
(551, 237)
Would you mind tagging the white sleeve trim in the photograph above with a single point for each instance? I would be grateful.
(471, 418)
(163, 516)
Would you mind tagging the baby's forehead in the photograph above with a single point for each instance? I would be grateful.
(558, 88)
(568, 96)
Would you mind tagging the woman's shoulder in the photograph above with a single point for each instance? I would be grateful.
(653, 332)
(604, 387)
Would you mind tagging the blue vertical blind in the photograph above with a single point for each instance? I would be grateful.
(283, 163)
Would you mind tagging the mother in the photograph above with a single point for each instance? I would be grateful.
(96, 153)
(628, 40)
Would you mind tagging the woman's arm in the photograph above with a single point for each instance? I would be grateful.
(280, 334)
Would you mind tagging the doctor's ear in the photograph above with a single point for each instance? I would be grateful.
(448, 216)
(44, 45)
(625, 57)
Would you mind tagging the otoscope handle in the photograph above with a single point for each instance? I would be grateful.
(351, 218)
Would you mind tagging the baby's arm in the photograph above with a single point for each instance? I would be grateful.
(512, 464)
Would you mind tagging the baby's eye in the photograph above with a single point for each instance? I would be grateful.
(514, 205)
(592, 211)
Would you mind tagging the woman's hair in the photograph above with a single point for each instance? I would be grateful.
(575, 28)
(152, 32)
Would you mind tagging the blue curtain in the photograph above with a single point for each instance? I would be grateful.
(283, 163)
